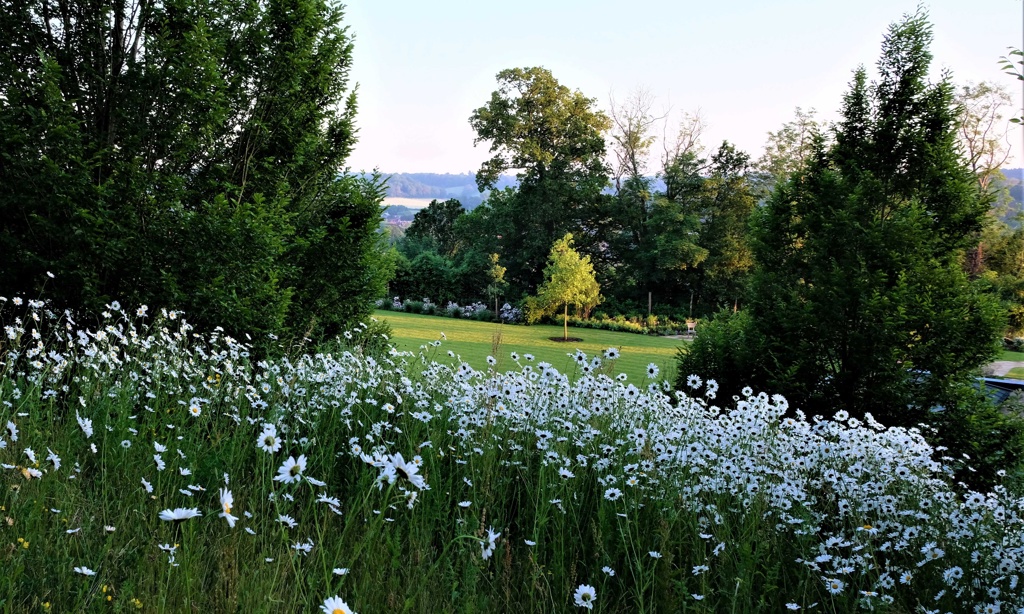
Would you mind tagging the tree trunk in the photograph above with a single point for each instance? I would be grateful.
(565, 323)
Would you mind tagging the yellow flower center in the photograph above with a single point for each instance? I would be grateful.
(338, 611)
(227, 508)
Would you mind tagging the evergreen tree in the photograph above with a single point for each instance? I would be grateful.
(859, 299)
(187, 154)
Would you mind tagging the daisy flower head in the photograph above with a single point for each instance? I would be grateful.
(834, 585)
(652, 370)
(268, 441)
(407, 471)
(693, 381)
(611, 353)
(85, 424)
(85, 571)
(487, 545)
(226, 501)
(612, 494)
(179, 514)
(291, 470)
(585, 596)
(335, 605)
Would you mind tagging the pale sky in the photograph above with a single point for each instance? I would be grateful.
(423, 67)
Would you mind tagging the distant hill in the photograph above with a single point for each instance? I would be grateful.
(441, 186)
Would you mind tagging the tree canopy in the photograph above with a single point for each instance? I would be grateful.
(554, 137)
(187, 154)
(859, 299)
(568, 281)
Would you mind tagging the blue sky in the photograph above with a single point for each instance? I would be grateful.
(422, 67)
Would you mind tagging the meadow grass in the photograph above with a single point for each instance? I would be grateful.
(147, 467)
(474, 341)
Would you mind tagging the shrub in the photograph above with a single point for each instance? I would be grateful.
(722, 350)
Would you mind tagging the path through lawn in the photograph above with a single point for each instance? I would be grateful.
(473, 341)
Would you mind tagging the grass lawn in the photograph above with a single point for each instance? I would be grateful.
(1014, 356)
(474, 341)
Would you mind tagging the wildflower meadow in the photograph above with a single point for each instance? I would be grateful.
(147, 466)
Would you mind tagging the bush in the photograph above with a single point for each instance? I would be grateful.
(985, 443)
(723, 351)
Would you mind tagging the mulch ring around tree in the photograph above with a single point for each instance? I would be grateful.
(564, 340)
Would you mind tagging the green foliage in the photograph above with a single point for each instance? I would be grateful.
(427, 275)
(726, 349)
(498, 285)
(554, 135)
(689, 244)
(186, 154)
(859, 295)
(434, 226)
(727, 201)
(789, 149)
(987, 442)
(569, 280)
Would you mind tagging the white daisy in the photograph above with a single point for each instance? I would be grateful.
(291, 470)
(585, 596)
(179, 514)
(335, 605)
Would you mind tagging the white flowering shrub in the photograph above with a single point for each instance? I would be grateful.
(176, 471)
(510, 314)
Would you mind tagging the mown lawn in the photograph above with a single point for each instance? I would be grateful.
(475, 341)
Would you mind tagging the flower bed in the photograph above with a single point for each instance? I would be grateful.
(160, 469)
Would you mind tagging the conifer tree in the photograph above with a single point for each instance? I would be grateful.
(860, 295)
(188, 154)
(859, 300)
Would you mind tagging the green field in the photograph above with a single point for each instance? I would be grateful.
(1015, 356)
(475, 341)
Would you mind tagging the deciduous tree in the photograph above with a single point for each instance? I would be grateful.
(569, 280)
(555, 138)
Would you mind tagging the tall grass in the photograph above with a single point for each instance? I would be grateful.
(658, 503)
